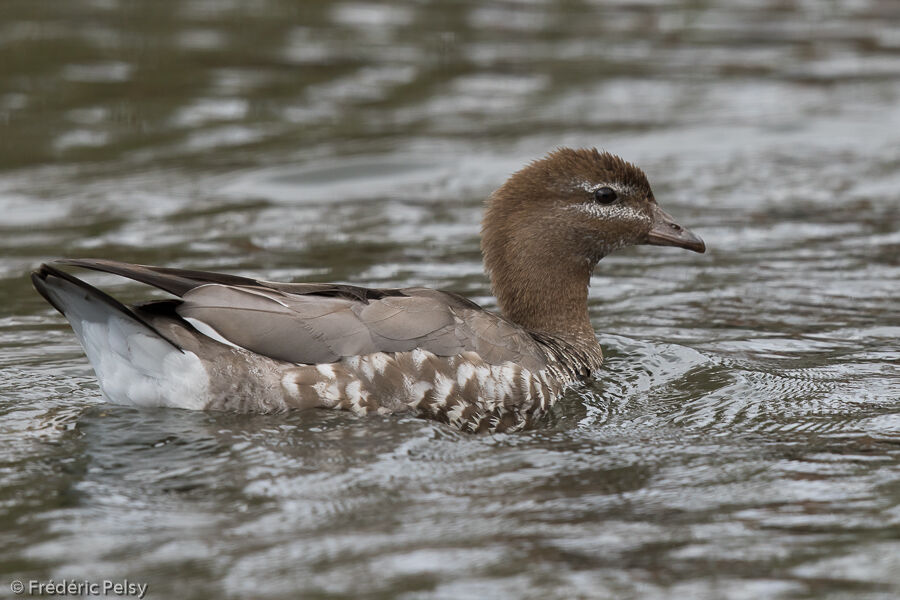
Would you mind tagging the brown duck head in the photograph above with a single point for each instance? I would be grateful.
(549, 225)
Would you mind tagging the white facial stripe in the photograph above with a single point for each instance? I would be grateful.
(613, 211)
(609, 211)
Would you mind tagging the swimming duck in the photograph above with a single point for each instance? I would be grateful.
(239, 344)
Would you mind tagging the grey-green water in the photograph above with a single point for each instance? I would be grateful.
(744, 439)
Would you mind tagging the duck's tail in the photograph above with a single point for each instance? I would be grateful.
(134, 362)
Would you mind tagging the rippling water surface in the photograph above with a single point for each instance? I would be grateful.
(743, 440)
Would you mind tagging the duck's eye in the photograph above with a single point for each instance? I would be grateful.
(605, 195)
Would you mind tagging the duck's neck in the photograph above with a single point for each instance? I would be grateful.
(542, 294)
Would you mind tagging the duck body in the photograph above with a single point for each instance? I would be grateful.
(240, 344)
(245, 345)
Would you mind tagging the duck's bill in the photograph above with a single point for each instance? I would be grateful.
(667, 232)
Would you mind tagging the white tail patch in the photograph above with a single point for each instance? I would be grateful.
(134, 365)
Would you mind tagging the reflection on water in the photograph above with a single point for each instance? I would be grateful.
(744, 440)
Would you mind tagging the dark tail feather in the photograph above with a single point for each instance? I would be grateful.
(174, 281)
(54, 284)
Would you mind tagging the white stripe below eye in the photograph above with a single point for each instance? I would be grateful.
(609, 211)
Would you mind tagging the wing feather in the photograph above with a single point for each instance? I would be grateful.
(313, 323)
(309, 328)
(405, 318)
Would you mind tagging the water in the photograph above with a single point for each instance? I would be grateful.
(744, 439)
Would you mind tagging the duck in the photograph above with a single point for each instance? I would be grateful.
(230, 343)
